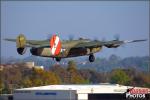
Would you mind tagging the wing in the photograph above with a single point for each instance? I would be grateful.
(109, 44)
(117, 43)
(90, 44)
(33, 43)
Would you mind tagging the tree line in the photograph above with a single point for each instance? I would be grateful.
(100, 64)
(19, 76)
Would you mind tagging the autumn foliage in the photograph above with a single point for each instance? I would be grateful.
(18, 76)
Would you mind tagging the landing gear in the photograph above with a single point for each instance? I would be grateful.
(91, 58)
(58, 59)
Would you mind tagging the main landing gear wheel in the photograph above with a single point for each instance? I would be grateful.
(58, 59)
(91, 58)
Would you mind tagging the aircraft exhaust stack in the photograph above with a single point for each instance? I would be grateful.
(20, 44)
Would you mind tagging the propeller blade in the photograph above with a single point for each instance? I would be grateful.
(117, 37)
(48, 37)
(71, 37)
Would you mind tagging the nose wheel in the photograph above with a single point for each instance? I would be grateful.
(91, 58)
(58, 59)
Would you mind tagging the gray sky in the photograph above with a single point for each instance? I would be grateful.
(88, 19)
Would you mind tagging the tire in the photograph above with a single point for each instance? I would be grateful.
(58, 59)
(91, 58)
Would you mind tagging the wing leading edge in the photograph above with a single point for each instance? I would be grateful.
(33, 43)
(109, 44)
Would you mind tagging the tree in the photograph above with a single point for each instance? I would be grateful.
(74, 75)
(147, 80)
(61, 72)
(42, 77)
(120, 77)
(1, 83)
(71, 66)
(27, 82)
(77, 79)
(50, 78)
(37, 82)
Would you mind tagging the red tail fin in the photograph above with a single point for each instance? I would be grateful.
(55, 45)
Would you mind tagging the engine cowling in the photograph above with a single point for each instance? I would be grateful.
(21, 51)
(20, 44)
(34, 51)
(112, 46)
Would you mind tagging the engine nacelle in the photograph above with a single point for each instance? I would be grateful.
(20, 44)
(21, 51)
(34, 51)
(112, 46)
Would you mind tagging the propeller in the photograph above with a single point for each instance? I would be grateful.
(21, 44)
(71, 37)
(103, 39)
(49, 36)
(96, 39)
(117, 37)
(21, 41)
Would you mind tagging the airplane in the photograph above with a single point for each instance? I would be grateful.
(55, 48)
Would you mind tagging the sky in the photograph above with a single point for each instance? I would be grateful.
(87, 19)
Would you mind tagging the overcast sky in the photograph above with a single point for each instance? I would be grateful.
(88, 19)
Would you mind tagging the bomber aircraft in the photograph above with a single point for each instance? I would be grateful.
(55, 48)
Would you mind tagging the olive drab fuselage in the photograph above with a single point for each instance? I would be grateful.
(69, 49)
